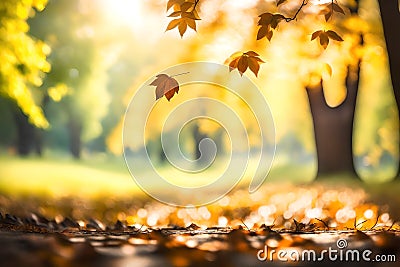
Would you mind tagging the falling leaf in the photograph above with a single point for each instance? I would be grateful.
(165, 85)
(243, 61)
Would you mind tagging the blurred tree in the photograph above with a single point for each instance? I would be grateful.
(390, 13)
(79, 63)
(333, 126)
(22, 68)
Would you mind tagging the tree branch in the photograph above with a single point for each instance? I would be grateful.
(303, 4)
(195, 4)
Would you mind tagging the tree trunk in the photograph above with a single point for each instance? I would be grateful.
(390, 15)
(197, 136)
(25, 133)
(29, 137)
(75, 132)
(38, 137)
(333, 127)
(39, 133)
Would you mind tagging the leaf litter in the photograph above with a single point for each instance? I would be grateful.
(182, 237)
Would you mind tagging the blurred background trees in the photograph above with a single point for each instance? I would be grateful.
(80, 63)
(22, 68)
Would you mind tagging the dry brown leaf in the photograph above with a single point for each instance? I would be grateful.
(242, 64)
(171, 3)
(262, 32)
(173, 23)
(316, 34)
(337, 8)
(191, 23)
(165, 85)
(334, 36)
(267, 22)
(324, 37)
(243, 61)
(328, 15)
(324, 40)
(186, 5)
(265, 19)
(182, 27)
(254, 66)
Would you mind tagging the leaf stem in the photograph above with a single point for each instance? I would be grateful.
(304, 3)
(180, 74)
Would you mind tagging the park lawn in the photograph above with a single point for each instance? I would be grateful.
(57, 175)
(62, 177)
(99, 176)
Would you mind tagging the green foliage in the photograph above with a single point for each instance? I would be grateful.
(23, 58)
(79, 69)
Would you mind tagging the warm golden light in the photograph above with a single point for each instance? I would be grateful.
(125, 11)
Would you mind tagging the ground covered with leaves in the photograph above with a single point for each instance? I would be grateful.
(295, 219)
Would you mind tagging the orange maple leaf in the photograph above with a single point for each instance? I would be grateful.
(165, 86)
(324, 37)
(242, 61)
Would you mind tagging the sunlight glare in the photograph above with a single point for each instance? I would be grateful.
(125, 11)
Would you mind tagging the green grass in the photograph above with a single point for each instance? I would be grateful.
(63, 176)
(59, 175)
(103, 175)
